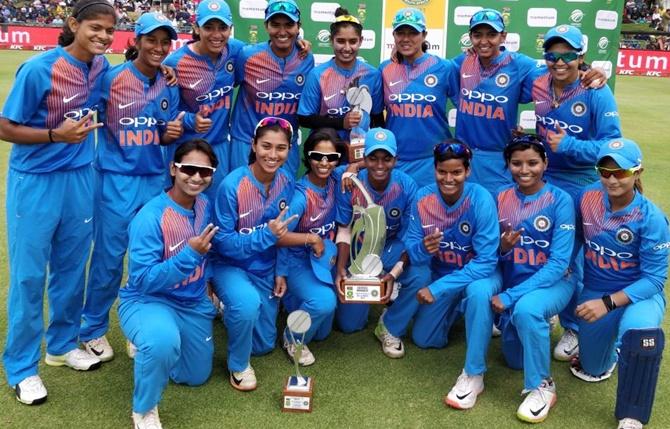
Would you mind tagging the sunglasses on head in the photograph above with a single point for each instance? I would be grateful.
(567, 57)
(272, 121)
(533, 139)
(485, 15)
(282, 6)
(320, 156)
(456, 148)
(192, 169)
(618, 173)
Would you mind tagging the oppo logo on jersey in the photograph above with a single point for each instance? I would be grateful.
(278, 96)
(76, 115)
(452, 245)
(602, 250)
(473, 103)
(412, 98)
(141, 121)
(606, 258)
(339, 111)
(453, 253)
(530, 256)
(323, 230)
(483, 96)
(551, 122)
(528, 240)
(247, 231)
(214, 95)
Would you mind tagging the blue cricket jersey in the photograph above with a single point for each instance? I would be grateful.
(243, 210)
(325, 91)
(542, 255)
(206, 87)
(469, 246)
(415, 97)
(135, 113)
(396, 200)
(624, 250)
(48, 89)
(160, 260)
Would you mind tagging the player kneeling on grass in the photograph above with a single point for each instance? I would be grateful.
(625, 267)
(164, 309)
(453, 232)
(538, 230)
(392, 190)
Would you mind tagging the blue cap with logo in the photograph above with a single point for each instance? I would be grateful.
(380, 138)
(566, 33)
(410, 16)
(322, 267)
(283, 7)
(213, 9)
(625, 152)
(490, 17)
(150, 21)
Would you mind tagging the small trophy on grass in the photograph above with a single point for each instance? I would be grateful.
(298, 389)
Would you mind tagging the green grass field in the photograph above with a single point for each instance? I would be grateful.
(356, 385)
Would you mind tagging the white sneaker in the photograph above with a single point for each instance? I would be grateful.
(567, 347)
(553, 322)
(31, 390)
(538, 402)
(101, 348)
(149, 420)
(495, 331)
(243, 380)
(306, 357)
(577, 370)
(391, 346)
(464, 393)
(131, 350)
(629, 423)
(76, 359)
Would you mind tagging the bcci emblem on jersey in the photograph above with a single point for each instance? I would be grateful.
(465, 228)
(430, 80)
(578, 109)
(542, 223)
(624, 236)
(502, 80)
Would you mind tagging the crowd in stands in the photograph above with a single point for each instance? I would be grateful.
(654, 42)
(52, 12)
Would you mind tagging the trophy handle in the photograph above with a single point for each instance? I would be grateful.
(361, 187)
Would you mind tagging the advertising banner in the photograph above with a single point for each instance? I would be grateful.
(638, 62)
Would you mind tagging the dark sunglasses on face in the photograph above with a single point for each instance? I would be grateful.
(192, 169)
(319, 156)
(567, 57)
(618, 173)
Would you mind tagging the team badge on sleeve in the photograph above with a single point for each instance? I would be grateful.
(624, 235)
(578, 109)
(542, 223)
(465, 228)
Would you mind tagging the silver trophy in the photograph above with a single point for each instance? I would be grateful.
(298, 389)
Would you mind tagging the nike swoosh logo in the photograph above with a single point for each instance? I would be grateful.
(570, 351)
(243, 215)
(536, 412)
(88, 220)
(395, 83)
(329, 97)
(427, 226)
(172, 248)
(194, 84)
(313, 219)
(95, 352)
(587, 224)
(465, 75)
(208, 339)
(123, 106)
(235, 380)
(68, 99)
(540, 101)
(464, 396)
(262, 80)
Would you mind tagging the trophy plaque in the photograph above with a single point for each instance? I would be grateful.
(298, 390)
(363, 285)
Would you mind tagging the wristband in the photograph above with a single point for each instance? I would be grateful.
(343, 235)
(51, 137)
(609, 302)
(397, 269)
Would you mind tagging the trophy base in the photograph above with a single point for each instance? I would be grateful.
(363, 291)
(355, 149)
(297, 397)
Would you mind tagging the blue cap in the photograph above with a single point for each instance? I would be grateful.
(283, 7)
(150, 21)
(380, 138)
(322, 267)
(490, 17)
(567, 33)
(625, 152)
(410, 16)
(213, 9)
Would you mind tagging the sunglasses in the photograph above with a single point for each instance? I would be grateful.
(408, 18)
(567, 57)
(272, 121)
(533, 139)
(485, 15)
(192, 169)
(618, 173)
(282, 6)
(456, 148)
(320, 156)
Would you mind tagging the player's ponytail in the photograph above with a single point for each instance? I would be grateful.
(83, 10)
(638, 184)
(131, 50)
